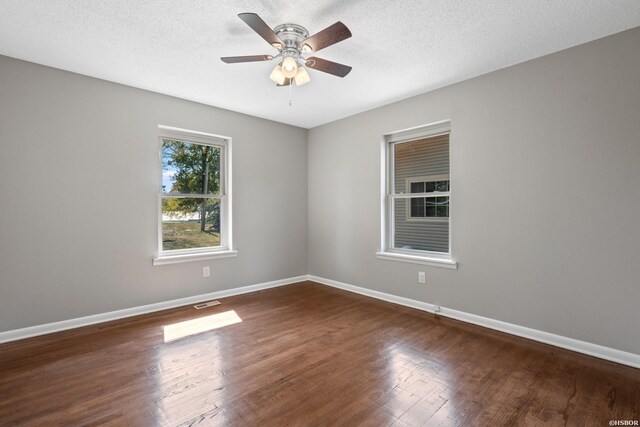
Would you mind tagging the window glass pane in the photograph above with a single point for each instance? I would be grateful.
(430, 207)
(420, 158)
(425, 235)
(420, 223)
(430, 187)
(189, 223)
(417, 187)
(190, 168)
(442, 207)
(442, 186)
(417, 207)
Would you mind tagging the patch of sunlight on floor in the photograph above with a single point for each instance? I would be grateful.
(201, 324)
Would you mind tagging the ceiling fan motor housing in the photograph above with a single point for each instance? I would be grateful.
(291, 35)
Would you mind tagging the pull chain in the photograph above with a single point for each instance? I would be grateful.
(290, 89)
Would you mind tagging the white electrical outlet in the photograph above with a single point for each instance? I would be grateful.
(206, 272)
(421, 277)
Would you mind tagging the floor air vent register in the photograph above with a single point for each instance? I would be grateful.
(206, 304)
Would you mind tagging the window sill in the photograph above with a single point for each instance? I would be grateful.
(175, 259)
(414, 259)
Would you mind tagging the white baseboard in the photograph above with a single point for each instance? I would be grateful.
(584, 347)
(32, 331)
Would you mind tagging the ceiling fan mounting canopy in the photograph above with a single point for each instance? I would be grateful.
(291, 34)
(292, 42)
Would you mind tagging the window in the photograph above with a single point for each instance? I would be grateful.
(417, 193)
(195, 197)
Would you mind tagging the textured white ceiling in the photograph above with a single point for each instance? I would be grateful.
(398, 49)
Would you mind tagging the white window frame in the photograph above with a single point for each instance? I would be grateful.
(429, 178)
(387, 251)
(225, 249)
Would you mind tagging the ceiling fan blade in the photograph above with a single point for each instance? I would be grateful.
(330, 67)
(331, 35)
(259, 26)
(287, 82)
(251, 58)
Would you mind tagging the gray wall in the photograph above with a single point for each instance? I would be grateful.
(79, 180)
(545, 173)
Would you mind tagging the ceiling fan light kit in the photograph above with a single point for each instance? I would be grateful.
(277, 75)
(289, 67)
(302, 76)
(292, 42)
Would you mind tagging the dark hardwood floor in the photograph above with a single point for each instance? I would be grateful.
(307, 354)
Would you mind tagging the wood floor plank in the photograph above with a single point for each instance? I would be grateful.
(306, 354)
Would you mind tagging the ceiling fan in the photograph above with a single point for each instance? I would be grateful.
(292, 42)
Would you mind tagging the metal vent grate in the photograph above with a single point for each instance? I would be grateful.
(206, 304)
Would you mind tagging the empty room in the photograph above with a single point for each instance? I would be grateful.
(319, 213)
